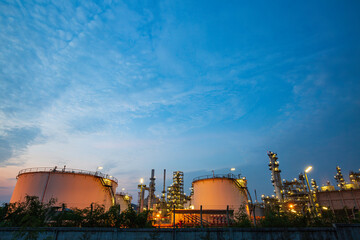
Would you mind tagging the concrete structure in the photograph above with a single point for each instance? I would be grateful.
(216, 192)
(76, 188)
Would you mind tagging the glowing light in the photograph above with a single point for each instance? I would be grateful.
(308, 169)
(291, 206)
(99, 168)
(325, 208)
(192, 207)
(232, 169)
(123, 189)
(141, 180)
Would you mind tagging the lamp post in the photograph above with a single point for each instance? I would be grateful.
(307, 170)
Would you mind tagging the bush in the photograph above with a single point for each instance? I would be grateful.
(33, 213)
(241, 218)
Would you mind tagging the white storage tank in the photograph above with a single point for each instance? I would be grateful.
(219, 191)
(76, 188)
(124, 200)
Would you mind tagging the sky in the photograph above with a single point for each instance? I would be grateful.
(193, 86)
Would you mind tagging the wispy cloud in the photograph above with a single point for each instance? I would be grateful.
(14, 142)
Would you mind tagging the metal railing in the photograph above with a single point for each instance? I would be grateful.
(124, 194)
(229, 175)
(67, 170)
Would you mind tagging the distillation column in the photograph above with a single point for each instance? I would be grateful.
(275, 175)
(151, 197)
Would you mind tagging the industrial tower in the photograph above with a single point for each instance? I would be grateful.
(151, 197)
(176, 196)
(339, 178)
(275, 175)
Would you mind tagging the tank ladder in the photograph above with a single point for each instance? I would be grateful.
(108, 185)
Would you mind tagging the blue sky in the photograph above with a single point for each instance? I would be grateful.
(183, 85)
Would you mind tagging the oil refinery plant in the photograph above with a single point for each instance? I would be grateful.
(214, 199)
(301, 195)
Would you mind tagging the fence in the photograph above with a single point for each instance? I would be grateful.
(337, 232)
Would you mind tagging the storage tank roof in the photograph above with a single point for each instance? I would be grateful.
(228, 176)
(67, 170)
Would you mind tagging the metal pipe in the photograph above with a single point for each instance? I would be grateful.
(141, 198)
(227, 215)
(201, 220)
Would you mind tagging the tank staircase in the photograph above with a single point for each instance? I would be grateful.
(238, 184)
(241, 187)
(106, 183)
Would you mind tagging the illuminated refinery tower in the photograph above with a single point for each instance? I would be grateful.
(275, 175)
(151, 197)
(339, 178)
(354, 177)
(163, 193)
(163, 203)
(176, 196)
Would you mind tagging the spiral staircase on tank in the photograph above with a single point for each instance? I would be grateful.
(242, 186)
(108, 184)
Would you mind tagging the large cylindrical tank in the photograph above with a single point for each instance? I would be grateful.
(76, 188)
(218, 192)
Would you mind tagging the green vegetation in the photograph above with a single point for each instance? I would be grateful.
(33, 213)
(276, 218)
(288, 219)
(241, 218)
